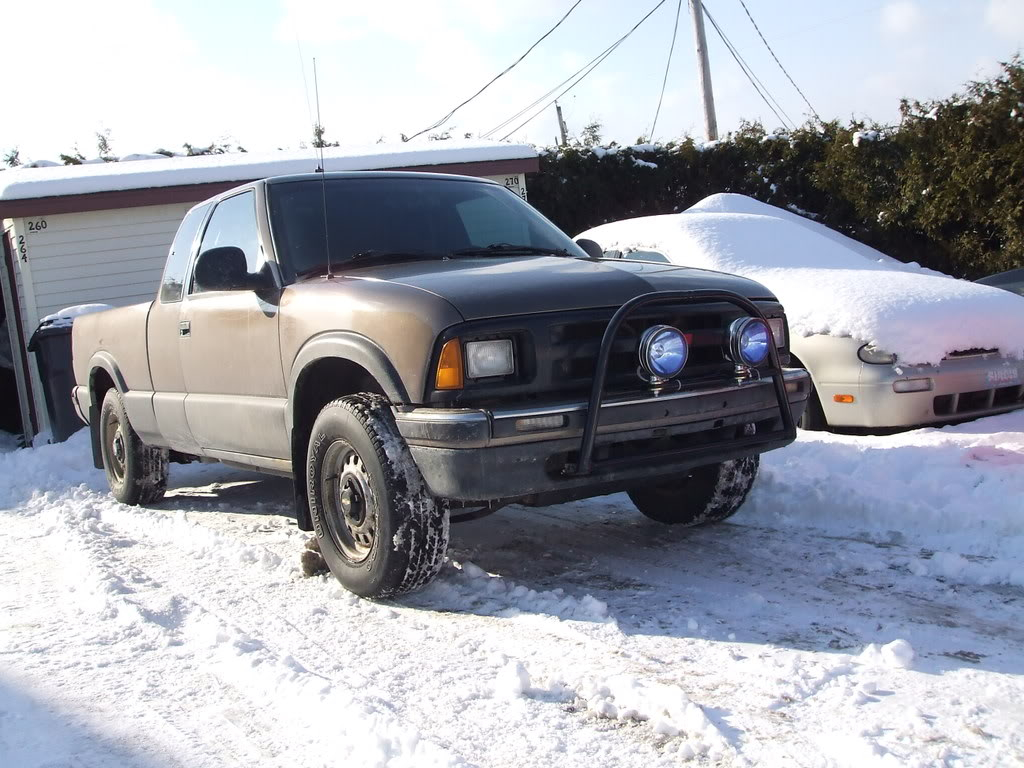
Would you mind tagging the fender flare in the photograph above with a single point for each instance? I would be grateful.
(105, 361)
(354, 347)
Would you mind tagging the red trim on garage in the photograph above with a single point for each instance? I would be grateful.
(32, 428)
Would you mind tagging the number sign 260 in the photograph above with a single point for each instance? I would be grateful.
(37, 226)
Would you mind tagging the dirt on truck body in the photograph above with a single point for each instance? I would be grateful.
(418, 348)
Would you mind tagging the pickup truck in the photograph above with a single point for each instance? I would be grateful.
(415, 349)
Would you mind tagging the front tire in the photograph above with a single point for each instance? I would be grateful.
(703, 495)
(136, 472)
(380, 531)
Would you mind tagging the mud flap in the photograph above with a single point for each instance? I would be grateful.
(94, 436)
(302, 516)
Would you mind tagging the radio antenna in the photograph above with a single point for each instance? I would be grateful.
(318, 139)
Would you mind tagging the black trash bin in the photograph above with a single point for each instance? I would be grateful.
(52, 344)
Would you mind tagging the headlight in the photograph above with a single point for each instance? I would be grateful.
(872, 354)
(778, 326)
(663, 351)
(489, 358)
(748, 341)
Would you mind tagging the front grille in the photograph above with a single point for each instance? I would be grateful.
(979, 401)
(556, 353)
(574, 345)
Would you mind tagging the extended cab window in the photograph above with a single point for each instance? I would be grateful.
(233, 223)
(177, 260)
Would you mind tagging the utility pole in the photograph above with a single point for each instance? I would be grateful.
(710, 123)
(561, 125)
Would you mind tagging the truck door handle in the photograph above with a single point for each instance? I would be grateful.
(185, 328)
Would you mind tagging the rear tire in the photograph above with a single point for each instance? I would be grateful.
(703, 495)
(380, 531)
(136, 472)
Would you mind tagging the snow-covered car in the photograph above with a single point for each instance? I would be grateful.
(887, 344)
(1012, 280)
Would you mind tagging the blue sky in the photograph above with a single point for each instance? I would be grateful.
(157, 73)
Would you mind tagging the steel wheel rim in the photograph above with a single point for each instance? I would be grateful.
(351, 510)
(114, 448)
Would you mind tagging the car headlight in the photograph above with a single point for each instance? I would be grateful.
(663, 351)
(778, 326)
(869, 353)
(489, 358)
(748, 341)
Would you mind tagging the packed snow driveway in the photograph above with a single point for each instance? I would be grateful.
(865, 607)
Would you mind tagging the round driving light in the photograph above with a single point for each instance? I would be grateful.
(663, 351)
(748, 341)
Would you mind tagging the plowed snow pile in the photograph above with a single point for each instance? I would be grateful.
(829, 283)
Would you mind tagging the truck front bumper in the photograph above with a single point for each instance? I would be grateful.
(508, 454)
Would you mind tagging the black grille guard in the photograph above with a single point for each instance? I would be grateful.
(586, 464)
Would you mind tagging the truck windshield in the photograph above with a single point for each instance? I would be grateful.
(421, 218)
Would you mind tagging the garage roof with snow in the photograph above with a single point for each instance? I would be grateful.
(66, 188)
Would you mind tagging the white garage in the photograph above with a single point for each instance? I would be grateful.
(99, 233)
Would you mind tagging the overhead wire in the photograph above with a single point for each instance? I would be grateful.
(494, 79)
(788, 77)
(762, 90)
(664, 80)
(576, 78)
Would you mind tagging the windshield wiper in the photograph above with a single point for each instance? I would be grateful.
(509, 249)
(373, 254)
(378, 254)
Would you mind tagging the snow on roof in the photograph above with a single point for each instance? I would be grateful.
(829, 283)
(28, 183)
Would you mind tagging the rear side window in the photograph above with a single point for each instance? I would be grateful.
(177, 260)
(234, 223)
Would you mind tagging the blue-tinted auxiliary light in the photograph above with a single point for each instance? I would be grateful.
(748, 341)
(663, 351)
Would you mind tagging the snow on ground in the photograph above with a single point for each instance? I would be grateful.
(864, 608)
(830, 283)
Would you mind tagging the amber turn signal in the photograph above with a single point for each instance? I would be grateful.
(449, 367)
(843, 398)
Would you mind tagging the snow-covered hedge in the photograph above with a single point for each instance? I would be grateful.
(944, 188)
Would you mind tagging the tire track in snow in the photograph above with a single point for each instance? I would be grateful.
(272, 684)
(215, 551)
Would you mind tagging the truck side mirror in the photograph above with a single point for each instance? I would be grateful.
(592, 249)
(225, 269)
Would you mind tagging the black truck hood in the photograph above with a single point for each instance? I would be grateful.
(496, 287)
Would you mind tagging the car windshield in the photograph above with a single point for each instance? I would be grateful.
(377, 218)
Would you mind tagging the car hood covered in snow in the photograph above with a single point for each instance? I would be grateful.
(829, 283)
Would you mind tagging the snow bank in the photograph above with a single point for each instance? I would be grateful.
(21, 184)
(829, 283)
(957, 492)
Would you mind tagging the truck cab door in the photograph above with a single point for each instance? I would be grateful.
(230, 349)
(162, 329)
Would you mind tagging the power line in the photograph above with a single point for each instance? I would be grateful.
(760, 87)
(585, 70)
(664, 80)
(505, 71)
(813, 110)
